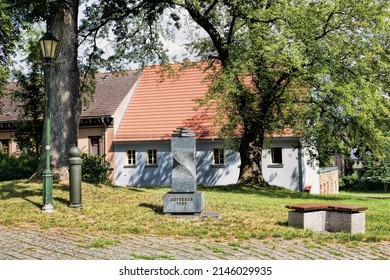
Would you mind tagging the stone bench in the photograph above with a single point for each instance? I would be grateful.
(321, 217)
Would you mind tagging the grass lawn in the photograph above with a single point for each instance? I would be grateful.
(246, 212)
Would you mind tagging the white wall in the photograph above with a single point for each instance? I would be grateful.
(312, 177)
(214, 175)
(286, 175)
(142, 175)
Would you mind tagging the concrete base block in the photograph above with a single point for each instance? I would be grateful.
(331, 221)
(184, 203)
(346, 222)
(309, 220)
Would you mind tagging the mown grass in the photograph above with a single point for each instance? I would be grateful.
(246, 212)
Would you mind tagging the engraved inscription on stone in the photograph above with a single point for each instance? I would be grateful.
(182, 200)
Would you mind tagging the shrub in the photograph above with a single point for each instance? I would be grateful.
(95, 169)
(14, 168)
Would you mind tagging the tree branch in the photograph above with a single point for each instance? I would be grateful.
(231, 30)
(325, 30)
(211, 8)
(210, 29)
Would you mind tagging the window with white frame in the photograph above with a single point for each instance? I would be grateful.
(152, 157)
(131, 158)
(276, 155)
(218, 156)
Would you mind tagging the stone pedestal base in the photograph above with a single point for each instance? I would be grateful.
(328, 221)
(310, 220)
(184, 203)
(347, 222)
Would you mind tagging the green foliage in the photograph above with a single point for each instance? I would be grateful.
(95, 169)
(377, 168)
(6, 42)
(13, 167)
(350, 182)
(30, 98)
(28, 136)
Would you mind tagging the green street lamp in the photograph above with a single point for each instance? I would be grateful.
(48, 45)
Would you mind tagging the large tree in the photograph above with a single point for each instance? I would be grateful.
(317, 67)
(61, 18)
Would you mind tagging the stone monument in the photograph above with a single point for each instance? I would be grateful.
(183, 199)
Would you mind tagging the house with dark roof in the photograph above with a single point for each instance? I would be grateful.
(100, 117)
(161, 104)
(9, 114)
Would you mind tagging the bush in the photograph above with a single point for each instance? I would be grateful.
(360, 184)
(14, 168)
(95, 169)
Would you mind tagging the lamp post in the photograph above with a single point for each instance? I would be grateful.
(48, 45)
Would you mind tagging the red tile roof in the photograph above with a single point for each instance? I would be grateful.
(161, 104)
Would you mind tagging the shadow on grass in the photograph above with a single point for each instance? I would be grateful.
(12, 190)
(155, 208)
(61, 200)
(32, 202)
(135, 189)
(283, 224)
(61, 187)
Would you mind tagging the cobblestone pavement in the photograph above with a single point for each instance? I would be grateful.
(29, 244)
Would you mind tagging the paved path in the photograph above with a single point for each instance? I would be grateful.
(53, 244)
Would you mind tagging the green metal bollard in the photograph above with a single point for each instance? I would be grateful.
(75, 162)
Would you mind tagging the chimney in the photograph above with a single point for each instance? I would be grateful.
(186, 62)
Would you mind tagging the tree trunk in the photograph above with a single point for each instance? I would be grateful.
(251, 147)
(65, 101)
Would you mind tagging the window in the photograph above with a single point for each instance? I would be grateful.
(4, 147)
(131, 159)
(276, 155)
(218, 156)
(94, 147)
(152, 157)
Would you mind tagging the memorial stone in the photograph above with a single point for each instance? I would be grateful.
(183, 199)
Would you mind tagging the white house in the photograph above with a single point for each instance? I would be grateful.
(159, 105)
